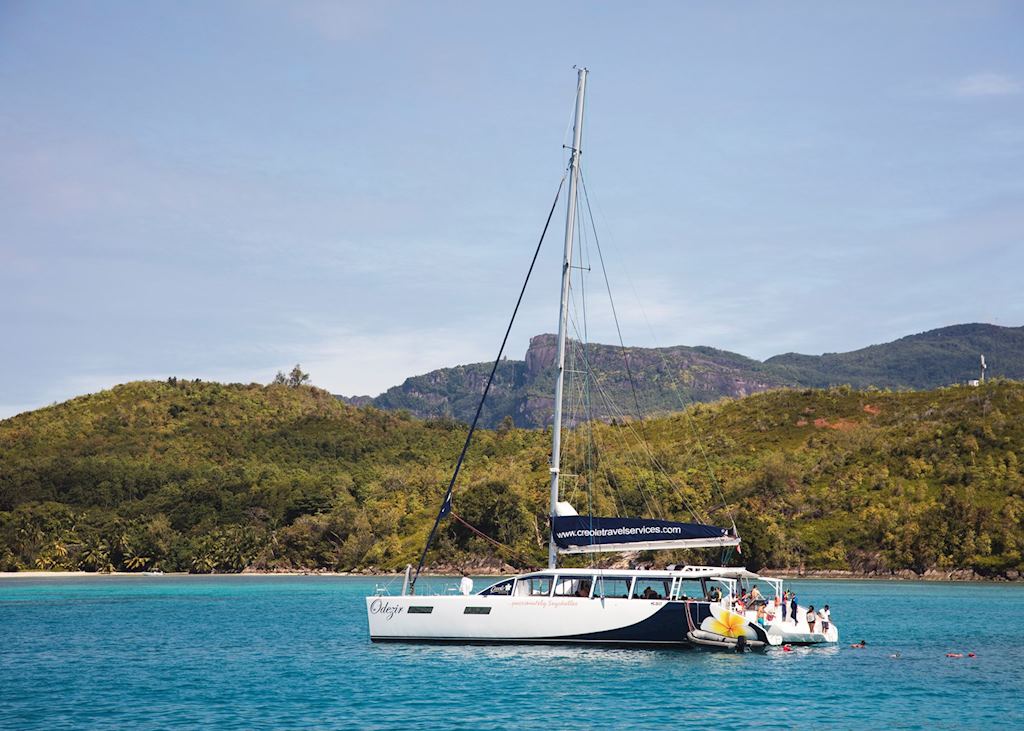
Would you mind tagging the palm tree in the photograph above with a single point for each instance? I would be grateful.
(96, 556)
(29, 537)
(120, 546)
(203, 564)
(136, 563)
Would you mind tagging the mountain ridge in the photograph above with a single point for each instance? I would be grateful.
(670, 378)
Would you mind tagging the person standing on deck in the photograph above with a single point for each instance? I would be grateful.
(785, 603)
(793, 606)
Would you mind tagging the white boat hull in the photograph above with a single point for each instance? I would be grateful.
(801, 634)
(788, 632)
(477, 618)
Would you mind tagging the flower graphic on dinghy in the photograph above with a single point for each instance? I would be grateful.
(726, 623)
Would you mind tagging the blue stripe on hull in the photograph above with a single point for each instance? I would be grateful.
(667, 625)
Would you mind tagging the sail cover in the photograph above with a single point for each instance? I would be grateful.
(590, 534)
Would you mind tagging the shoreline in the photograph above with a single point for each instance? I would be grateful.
(953, 575)
(956, 576)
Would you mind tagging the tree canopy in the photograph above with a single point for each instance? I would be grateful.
(191, 476)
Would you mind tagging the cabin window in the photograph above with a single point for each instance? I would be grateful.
(534, 586)
(715, 590)
(691, 589)
(652, 588)
(612, 587)
(502, 588)
(420, 610)
(574, 586)
(476, 610)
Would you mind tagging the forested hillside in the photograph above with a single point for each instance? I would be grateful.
(209, 477)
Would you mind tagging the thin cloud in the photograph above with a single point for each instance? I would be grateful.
(343, 22)
(359, 363)
(986, 85)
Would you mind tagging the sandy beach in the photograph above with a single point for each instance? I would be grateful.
(959, 576)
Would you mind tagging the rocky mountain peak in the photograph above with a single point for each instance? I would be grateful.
(542, 353)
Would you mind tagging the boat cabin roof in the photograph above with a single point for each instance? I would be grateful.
(685, 572)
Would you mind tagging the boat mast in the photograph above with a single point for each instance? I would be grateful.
(563, 309)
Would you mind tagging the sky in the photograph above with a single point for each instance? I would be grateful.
(220, 190)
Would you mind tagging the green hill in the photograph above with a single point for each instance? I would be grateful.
(210, 477)
(926, 360)
(667, 379)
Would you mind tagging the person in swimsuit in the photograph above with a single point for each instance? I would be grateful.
(811, 616)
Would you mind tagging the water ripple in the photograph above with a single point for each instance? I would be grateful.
(258, 652)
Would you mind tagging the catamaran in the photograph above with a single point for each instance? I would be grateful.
(705, 606)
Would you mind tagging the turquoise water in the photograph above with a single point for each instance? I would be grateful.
(244, 652)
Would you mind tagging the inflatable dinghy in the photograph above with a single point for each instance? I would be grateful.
(712, 641)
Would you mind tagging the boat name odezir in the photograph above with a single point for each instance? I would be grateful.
(378, 606)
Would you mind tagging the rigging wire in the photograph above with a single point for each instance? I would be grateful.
(582, 337)
(643, 433)
(613, 408)
(446, 505)
(511, 551)
(611, 301)
(567, 134)
(625, 355)
(609, 403)
(614, 411)
(674, 386)
(584, 376)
